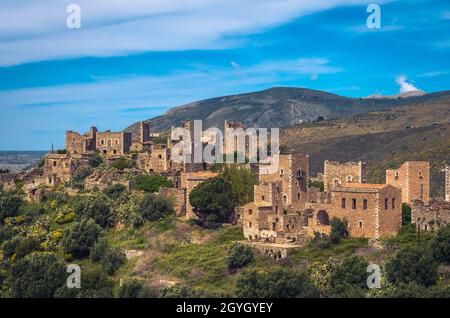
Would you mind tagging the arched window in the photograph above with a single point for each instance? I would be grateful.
(323, 218)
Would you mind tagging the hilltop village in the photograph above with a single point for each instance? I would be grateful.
(285, 210)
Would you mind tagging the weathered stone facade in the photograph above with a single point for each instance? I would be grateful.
(413, 177)
(430, 216)
(102, 180)
(142, 141)
(159, 160)
(113, 143)
(371, 210)
(275, 214)
(63, 165)
(107, 143)
(293, 172)
(278, 215)
(80, 144)
(336, 173)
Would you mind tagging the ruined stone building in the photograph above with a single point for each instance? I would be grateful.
(113, 143)
(430, 216)
(142, 141)
(63, 165)
(283, 213)
(189, 180)
(336, 173)
(158, 160)
(275, 214)
(268, 219)
(102, 180)
(413, 177)
(292, 173)
(81, 144)
(107, 143)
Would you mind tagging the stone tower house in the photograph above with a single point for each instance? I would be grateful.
(336, 173)
(413, 177)
(293, 174)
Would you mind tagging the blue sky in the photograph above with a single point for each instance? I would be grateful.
(132, 60)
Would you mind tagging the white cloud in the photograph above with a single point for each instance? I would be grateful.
(405, 87)
(36, 30)
(434, 74)
(121, 101)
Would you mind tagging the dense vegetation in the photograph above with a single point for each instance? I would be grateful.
(130, 244)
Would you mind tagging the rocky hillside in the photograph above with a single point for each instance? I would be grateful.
(279, 107)
(384, 139)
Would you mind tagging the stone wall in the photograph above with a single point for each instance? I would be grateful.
(113, 143)
(179, 197)
(432, 216)
(293, 174)
(336, 173)
(79, 144)
(159, 160)
(372, 210)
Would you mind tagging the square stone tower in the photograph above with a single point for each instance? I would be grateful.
(336, 173)
(413, 177)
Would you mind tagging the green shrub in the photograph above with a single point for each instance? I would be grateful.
(214, 196)
(112, 260)
(239, 256)
(80, 237)
(9, 205)
(441, 245)
(95, 160)
(177, 291)
(339, 230)
(151, 183)
(98, 251)
(349, 279)
(412, 264)
(123, 163)
(37, 276)
(279, 283)
(406, 214)
(97, 207)
(27, 246)
(131, 289)
(316, 184)
(155, 207)
(114, 191)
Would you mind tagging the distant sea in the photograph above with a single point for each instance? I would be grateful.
(18, 160)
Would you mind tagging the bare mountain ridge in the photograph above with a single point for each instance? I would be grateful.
(277, 107)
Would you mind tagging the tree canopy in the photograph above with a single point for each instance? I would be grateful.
(216, 197)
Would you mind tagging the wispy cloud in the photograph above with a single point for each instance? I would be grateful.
(116, 102)
(35, 31)
(405, 86)
(434, 74)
